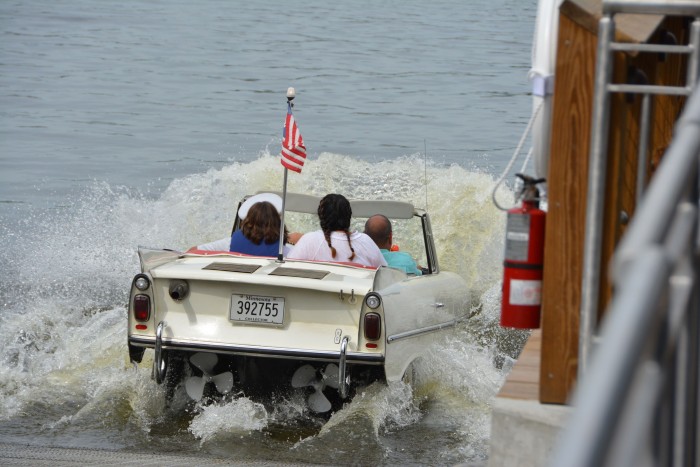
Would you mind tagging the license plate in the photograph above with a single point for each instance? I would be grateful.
(257, 309)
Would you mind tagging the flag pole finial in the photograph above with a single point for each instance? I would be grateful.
(291, 94)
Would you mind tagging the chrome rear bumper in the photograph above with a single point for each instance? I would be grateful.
(259, 351)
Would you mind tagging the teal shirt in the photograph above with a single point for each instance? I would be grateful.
(401, 260)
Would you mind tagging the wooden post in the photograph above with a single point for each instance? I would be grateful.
(567, 185)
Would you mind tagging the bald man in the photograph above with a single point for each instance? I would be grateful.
(378, 227)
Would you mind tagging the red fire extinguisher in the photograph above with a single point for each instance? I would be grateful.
(522, 266)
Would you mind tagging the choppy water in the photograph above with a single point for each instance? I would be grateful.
(143, 124)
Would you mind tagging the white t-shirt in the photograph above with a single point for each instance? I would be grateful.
(313, 246)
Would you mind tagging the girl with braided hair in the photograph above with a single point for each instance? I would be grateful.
(335, 242)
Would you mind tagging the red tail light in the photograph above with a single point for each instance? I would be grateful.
(373, 326)
(142, 307)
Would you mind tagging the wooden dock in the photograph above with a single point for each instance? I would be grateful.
(523, 382)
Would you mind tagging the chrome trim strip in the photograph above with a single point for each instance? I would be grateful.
(417, 332)
(327, 356)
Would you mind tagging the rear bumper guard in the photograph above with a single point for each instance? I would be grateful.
(341, 356)
(342, 379)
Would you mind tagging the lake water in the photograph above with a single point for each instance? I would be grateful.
(144, 122)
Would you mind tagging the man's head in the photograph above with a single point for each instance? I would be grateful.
(378, 227)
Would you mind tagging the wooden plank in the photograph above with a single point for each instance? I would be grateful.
(525, 375)
(523, 380)
(530, 360)
(524, 391)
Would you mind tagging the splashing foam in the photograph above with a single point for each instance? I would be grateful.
(390, 405)
(66, 276)
(239, 416)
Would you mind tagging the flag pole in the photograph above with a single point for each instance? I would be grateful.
(280, 254)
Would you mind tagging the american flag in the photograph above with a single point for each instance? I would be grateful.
(293, 149)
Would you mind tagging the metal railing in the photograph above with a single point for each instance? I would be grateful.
(638, 403)
(590, 285)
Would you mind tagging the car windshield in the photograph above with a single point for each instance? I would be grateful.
(407, 233)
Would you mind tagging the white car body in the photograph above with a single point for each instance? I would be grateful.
(325, 310)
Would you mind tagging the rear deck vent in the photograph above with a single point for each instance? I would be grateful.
(233, 267)
(294, 272)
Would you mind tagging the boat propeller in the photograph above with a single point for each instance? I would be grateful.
(206, 363)
(307, 376)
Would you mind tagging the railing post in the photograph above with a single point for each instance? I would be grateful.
(695, 56)
(642, 155)
(590, 287)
